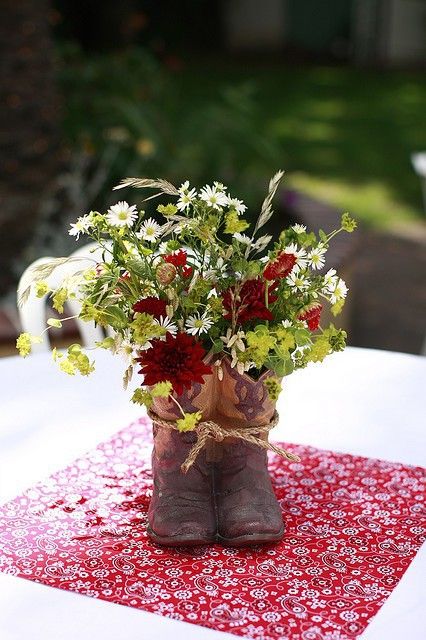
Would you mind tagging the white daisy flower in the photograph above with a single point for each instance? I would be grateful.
(163, 248)
(187, 196)
(82, 225)
(125, 350)
(330, 280)
(237, 205)
(300, 253)
(316, 257)
(197, 324)
(299, 228)
(286, 323)
(298, 281)
(219, 186)
(149, 231)
(340, 291)
(168, 325)
(241, 237)
(122, 214)
(184, 187)
(216, 199)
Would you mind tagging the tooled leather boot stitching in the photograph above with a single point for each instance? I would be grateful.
(181, 511)
(247, 509)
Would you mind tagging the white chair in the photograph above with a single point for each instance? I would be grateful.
(32, 314)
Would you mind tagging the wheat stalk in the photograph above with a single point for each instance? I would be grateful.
(40, 272)
(149, 183)
(266, 210)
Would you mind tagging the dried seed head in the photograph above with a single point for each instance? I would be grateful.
(166, 273)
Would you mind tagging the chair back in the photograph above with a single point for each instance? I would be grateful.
(32, 314)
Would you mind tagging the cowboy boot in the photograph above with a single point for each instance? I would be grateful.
(181, 511)
(247, 509)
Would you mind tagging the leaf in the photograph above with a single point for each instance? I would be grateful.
(149, 183)
(136, 266)
(281, 367)
(117, 319)
(337, 307)
(323, 236)
(217, 346)
(266, 211)
(40, 272)
(302, 337)
(54, 322)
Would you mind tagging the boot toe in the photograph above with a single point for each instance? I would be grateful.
(182, 525)
(251, 523)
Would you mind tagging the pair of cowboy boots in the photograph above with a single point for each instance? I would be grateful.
(226, 496)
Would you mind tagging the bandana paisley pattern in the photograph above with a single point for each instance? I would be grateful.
(353, 526)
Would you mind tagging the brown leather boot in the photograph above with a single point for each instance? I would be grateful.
(181, 511)
(247, 509)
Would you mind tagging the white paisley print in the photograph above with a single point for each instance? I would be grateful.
(353, 526)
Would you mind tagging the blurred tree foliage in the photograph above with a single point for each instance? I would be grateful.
(29, 126)
(128, 107)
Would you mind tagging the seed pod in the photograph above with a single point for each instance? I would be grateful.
(166, 273)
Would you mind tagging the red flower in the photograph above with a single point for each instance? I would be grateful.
(154, 306)
(177, 259)
(312, 317)
(187, 272)
(176, 359)
(280, 267)
(250, 303)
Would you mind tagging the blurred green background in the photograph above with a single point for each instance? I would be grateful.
(333, 92)
(342, 134)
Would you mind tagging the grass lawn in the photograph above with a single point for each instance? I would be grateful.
(345, 135)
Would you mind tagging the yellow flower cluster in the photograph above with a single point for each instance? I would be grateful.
(75, 361)
(24, 343)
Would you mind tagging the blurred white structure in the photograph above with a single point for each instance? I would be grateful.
(392, 32)
(419, 163)
(388, 32)
(32, 314)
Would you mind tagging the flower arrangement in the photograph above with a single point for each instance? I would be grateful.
(195, 286)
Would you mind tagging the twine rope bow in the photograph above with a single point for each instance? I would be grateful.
(208, 429)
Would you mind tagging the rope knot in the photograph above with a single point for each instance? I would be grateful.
(211, 430)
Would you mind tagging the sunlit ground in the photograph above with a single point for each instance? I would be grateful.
(346, 135)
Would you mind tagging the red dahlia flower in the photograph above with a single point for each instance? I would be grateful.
(154, 306)
(176, 359)
(280, 267)
(251, 301)
(177, 259)
(312, 317)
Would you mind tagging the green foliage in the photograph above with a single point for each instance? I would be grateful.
(348, 223)
(273, 387)
(24, 343)
(59, 297)
(189, 421)
(127, 110)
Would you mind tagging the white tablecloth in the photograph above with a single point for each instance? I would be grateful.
(361, 401)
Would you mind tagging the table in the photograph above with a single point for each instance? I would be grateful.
(361, 401)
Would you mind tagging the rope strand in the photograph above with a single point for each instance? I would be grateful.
(211, 430)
